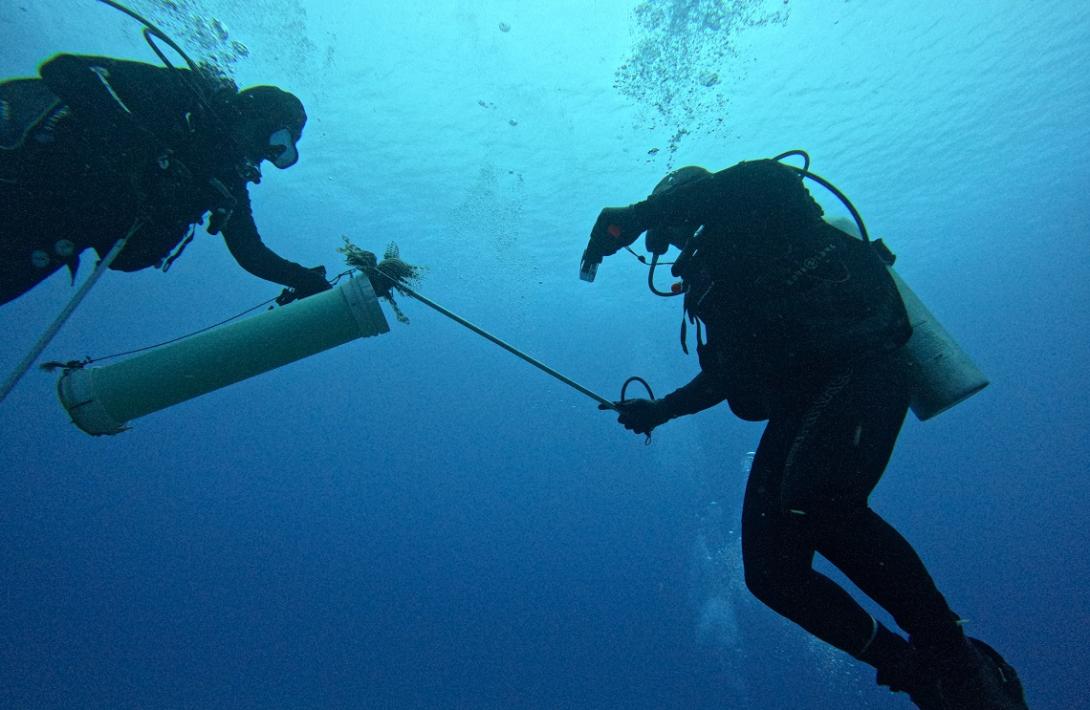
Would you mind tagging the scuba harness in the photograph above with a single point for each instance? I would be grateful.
(693, 242)
(695, 267)
(684, 265)
(847, 324)
(166, 173)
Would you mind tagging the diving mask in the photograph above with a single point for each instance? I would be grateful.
(281, 149)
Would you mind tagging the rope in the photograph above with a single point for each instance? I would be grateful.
(90, 360)
(205, 329)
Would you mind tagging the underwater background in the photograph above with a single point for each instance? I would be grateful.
(420, 520)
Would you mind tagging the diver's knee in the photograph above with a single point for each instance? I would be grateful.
(770, 582)
(822, 512)
(760, 585)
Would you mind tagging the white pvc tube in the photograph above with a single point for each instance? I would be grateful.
(101, 400)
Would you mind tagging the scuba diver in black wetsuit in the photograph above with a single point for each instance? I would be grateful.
(802, 325)
(100, 148)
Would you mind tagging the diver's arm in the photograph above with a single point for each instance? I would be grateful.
(618, 227)
(687, 203)
(704, 391)
(643, 415)
(244, 242)
(762, 199)
(758, 193)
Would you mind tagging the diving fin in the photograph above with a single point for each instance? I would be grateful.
(988, 683)
(1009, 680)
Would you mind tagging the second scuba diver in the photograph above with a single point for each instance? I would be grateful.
(98, 148)
(801, 325)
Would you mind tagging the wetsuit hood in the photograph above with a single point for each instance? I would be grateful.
(269, 123)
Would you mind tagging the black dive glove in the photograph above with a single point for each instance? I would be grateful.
(309, 282)
(641, 415)
(615, 228)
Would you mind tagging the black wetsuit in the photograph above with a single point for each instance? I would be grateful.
(800, 324)
(111, 142)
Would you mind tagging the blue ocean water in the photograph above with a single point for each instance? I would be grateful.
(419, 520)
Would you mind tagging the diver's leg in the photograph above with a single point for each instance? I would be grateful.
(832, 465)
(782, 527)
(941, 661)
(878, 560)
(778, 550)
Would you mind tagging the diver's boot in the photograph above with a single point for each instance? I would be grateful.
(909, 674)
(901, 668)
(973, 676)
(921, 689)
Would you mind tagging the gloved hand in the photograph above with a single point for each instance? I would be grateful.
(615, 228)
(640, 415)
(309, 282)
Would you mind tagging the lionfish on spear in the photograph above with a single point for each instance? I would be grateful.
(385, 276)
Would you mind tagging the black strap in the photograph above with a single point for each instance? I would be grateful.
(166, 263)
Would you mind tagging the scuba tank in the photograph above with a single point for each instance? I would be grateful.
(942, 374)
